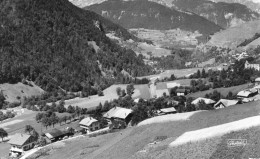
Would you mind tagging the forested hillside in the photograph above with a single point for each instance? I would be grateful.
(151, 15)
(47, 41)
(223, 14)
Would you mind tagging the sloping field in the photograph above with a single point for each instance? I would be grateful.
(223, 91)
(177, 73)
(109, 95)
(12, 91)
(168, 118)
(233, 36)
(253, 44)
(139, 141)
(216, 131)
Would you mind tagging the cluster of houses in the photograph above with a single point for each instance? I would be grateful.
(118, 117)
(252, 66)
(239, 56)
(163, 88)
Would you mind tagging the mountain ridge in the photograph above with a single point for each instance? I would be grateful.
(151, 15)
(221, 13)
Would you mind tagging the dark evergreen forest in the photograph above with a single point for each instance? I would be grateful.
(46, 41)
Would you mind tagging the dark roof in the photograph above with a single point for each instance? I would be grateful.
(181, 90)
(19, 139)
(56, 133)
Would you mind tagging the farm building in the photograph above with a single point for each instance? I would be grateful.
(20, 143)
(55, 135)
(182, 92)
(207, 101)
(257, 81)
(118, 113)
(222, 103)
(165, 111)
(252, 66)
(90, 124)
(161, 89)
(247, 93)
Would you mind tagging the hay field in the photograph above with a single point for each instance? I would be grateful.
(12, 91)
(141, 91)
(223, 91)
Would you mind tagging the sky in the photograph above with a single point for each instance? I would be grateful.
(257, 1)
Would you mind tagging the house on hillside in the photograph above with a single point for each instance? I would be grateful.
(223, 103)
(119, 114)
(247, 93)
(55, 135)
(161, 89)
(20, 143)
(252, 66)
(182, 92)
(206, 100)
(257, 81)
(90, 124)
(166, 111)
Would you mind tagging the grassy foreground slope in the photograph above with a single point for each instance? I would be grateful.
(135, 142)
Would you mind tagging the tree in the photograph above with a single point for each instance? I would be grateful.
(198, 74)
(65, 118)
(189, 106)
(230, 95)
(39, 116)
(3, 133)
(42, 141)
(70, 109)
(130, 89)
(60, 120)
(2, 100)
(45, 122)
(106, 106)
(140, 113)
(123, 93)
(100, 93)
(118, 91)
(203, 73)
(28, 129)
(53, 120)
(35, 134)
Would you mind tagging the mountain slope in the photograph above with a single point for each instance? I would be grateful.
(232, 37)
(223, 14)
(48, 42)
(249, 3)
(151, 15)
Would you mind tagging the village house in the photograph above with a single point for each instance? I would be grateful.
(257, 81)
(20, 143)
(118, 114)
(90, 124)
(56, 134)
(182, 92)
(252, 66)
(207, 101)
(166, 111)
(223, 103)
(247, 93)
(161, 89)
